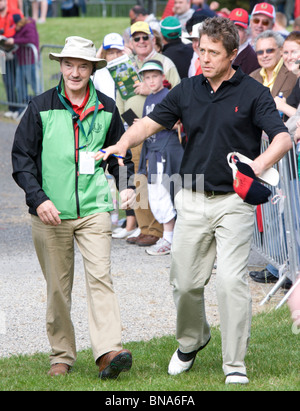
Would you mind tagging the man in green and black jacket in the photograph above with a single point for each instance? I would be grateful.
(68, 197)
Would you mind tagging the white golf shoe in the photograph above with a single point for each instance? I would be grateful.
(176, 366)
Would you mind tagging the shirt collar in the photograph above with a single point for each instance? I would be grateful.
(75, 107)
(275, 72)
(235, 79)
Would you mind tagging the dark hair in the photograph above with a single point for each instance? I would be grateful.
(139, 10)
(221, 29)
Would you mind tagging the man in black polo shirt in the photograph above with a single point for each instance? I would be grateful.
(222, 110)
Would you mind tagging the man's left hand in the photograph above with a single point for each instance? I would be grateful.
(127, 197)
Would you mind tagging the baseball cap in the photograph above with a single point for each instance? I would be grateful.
(152, 65)
(170, 27)
(240, 17)
(140, 26)
(264, 8)
(269, 176)
(113, 41)
(247, 186)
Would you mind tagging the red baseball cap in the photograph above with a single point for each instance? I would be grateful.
(240, 17)
(264, 8)
(247, 186)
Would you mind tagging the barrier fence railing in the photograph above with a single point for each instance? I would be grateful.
(20, 77)
(277, 225)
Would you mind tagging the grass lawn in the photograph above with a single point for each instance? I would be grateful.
(272, 361)
(55, 30)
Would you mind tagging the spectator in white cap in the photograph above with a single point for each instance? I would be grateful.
(111, 48)
(262, 19)
(246, 57)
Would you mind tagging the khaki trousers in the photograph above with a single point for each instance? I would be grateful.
(145, 219)
(206, 227)
(55, 250)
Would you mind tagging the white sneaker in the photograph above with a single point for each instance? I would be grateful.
(176, 366)
(8, 114)
(236, 378)
(162, 247)
(123, 233)
(136, 233)
(117, 230)
(15, 115)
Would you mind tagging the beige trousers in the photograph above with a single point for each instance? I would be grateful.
(145, 219)
(206, 227)
(55, 250)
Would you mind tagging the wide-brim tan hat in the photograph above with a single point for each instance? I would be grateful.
(79, 48)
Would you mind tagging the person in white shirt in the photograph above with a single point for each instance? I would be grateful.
(111, 48)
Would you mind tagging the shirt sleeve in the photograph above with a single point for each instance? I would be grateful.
(26, 157)
(168, 112)
(266, 115)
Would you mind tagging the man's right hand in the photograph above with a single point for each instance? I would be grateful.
(48, 213)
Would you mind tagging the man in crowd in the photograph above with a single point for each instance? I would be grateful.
(212, 219)
(180, 53)
(272, 72)
(246, 56)
(262, 19)
(183, 12)
(69, 198)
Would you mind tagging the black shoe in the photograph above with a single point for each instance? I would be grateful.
(263, 276)
(287, 284)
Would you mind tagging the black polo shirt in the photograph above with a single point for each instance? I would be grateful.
(232, 119)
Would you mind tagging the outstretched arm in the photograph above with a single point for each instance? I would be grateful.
(134, 136)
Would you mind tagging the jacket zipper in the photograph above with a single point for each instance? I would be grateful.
(76, 135)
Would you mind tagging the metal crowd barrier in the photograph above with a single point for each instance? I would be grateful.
(277, 224)
(21, 76)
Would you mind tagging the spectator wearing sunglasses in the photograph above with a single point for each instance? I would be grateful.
(272, 72)
(278, 78)
(142, 41)
(262, 19)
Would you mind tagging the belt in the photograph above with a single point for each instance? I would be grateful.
(211, 194)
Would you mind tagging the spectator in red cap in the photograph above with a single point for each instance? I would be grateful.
(262, 18)
(246, 57)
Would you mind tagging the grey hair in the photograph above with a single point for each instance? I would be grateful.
(270, 34)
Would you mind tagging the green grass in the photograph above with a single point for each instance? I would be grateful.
(55, 30)
(272, 361)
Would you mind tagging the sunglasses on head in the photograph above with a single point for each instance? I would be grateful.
(263, 22)
(268, 51)
(138, 38)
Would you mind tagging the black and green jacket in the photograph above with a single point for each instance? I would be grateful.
(45, 154)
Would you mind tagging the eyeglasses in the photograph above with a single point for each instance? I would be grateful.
(138, 38)
(268, 51)
(263, 22)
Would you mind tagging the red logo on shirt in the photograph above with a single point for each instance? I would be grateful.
(236, 109)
